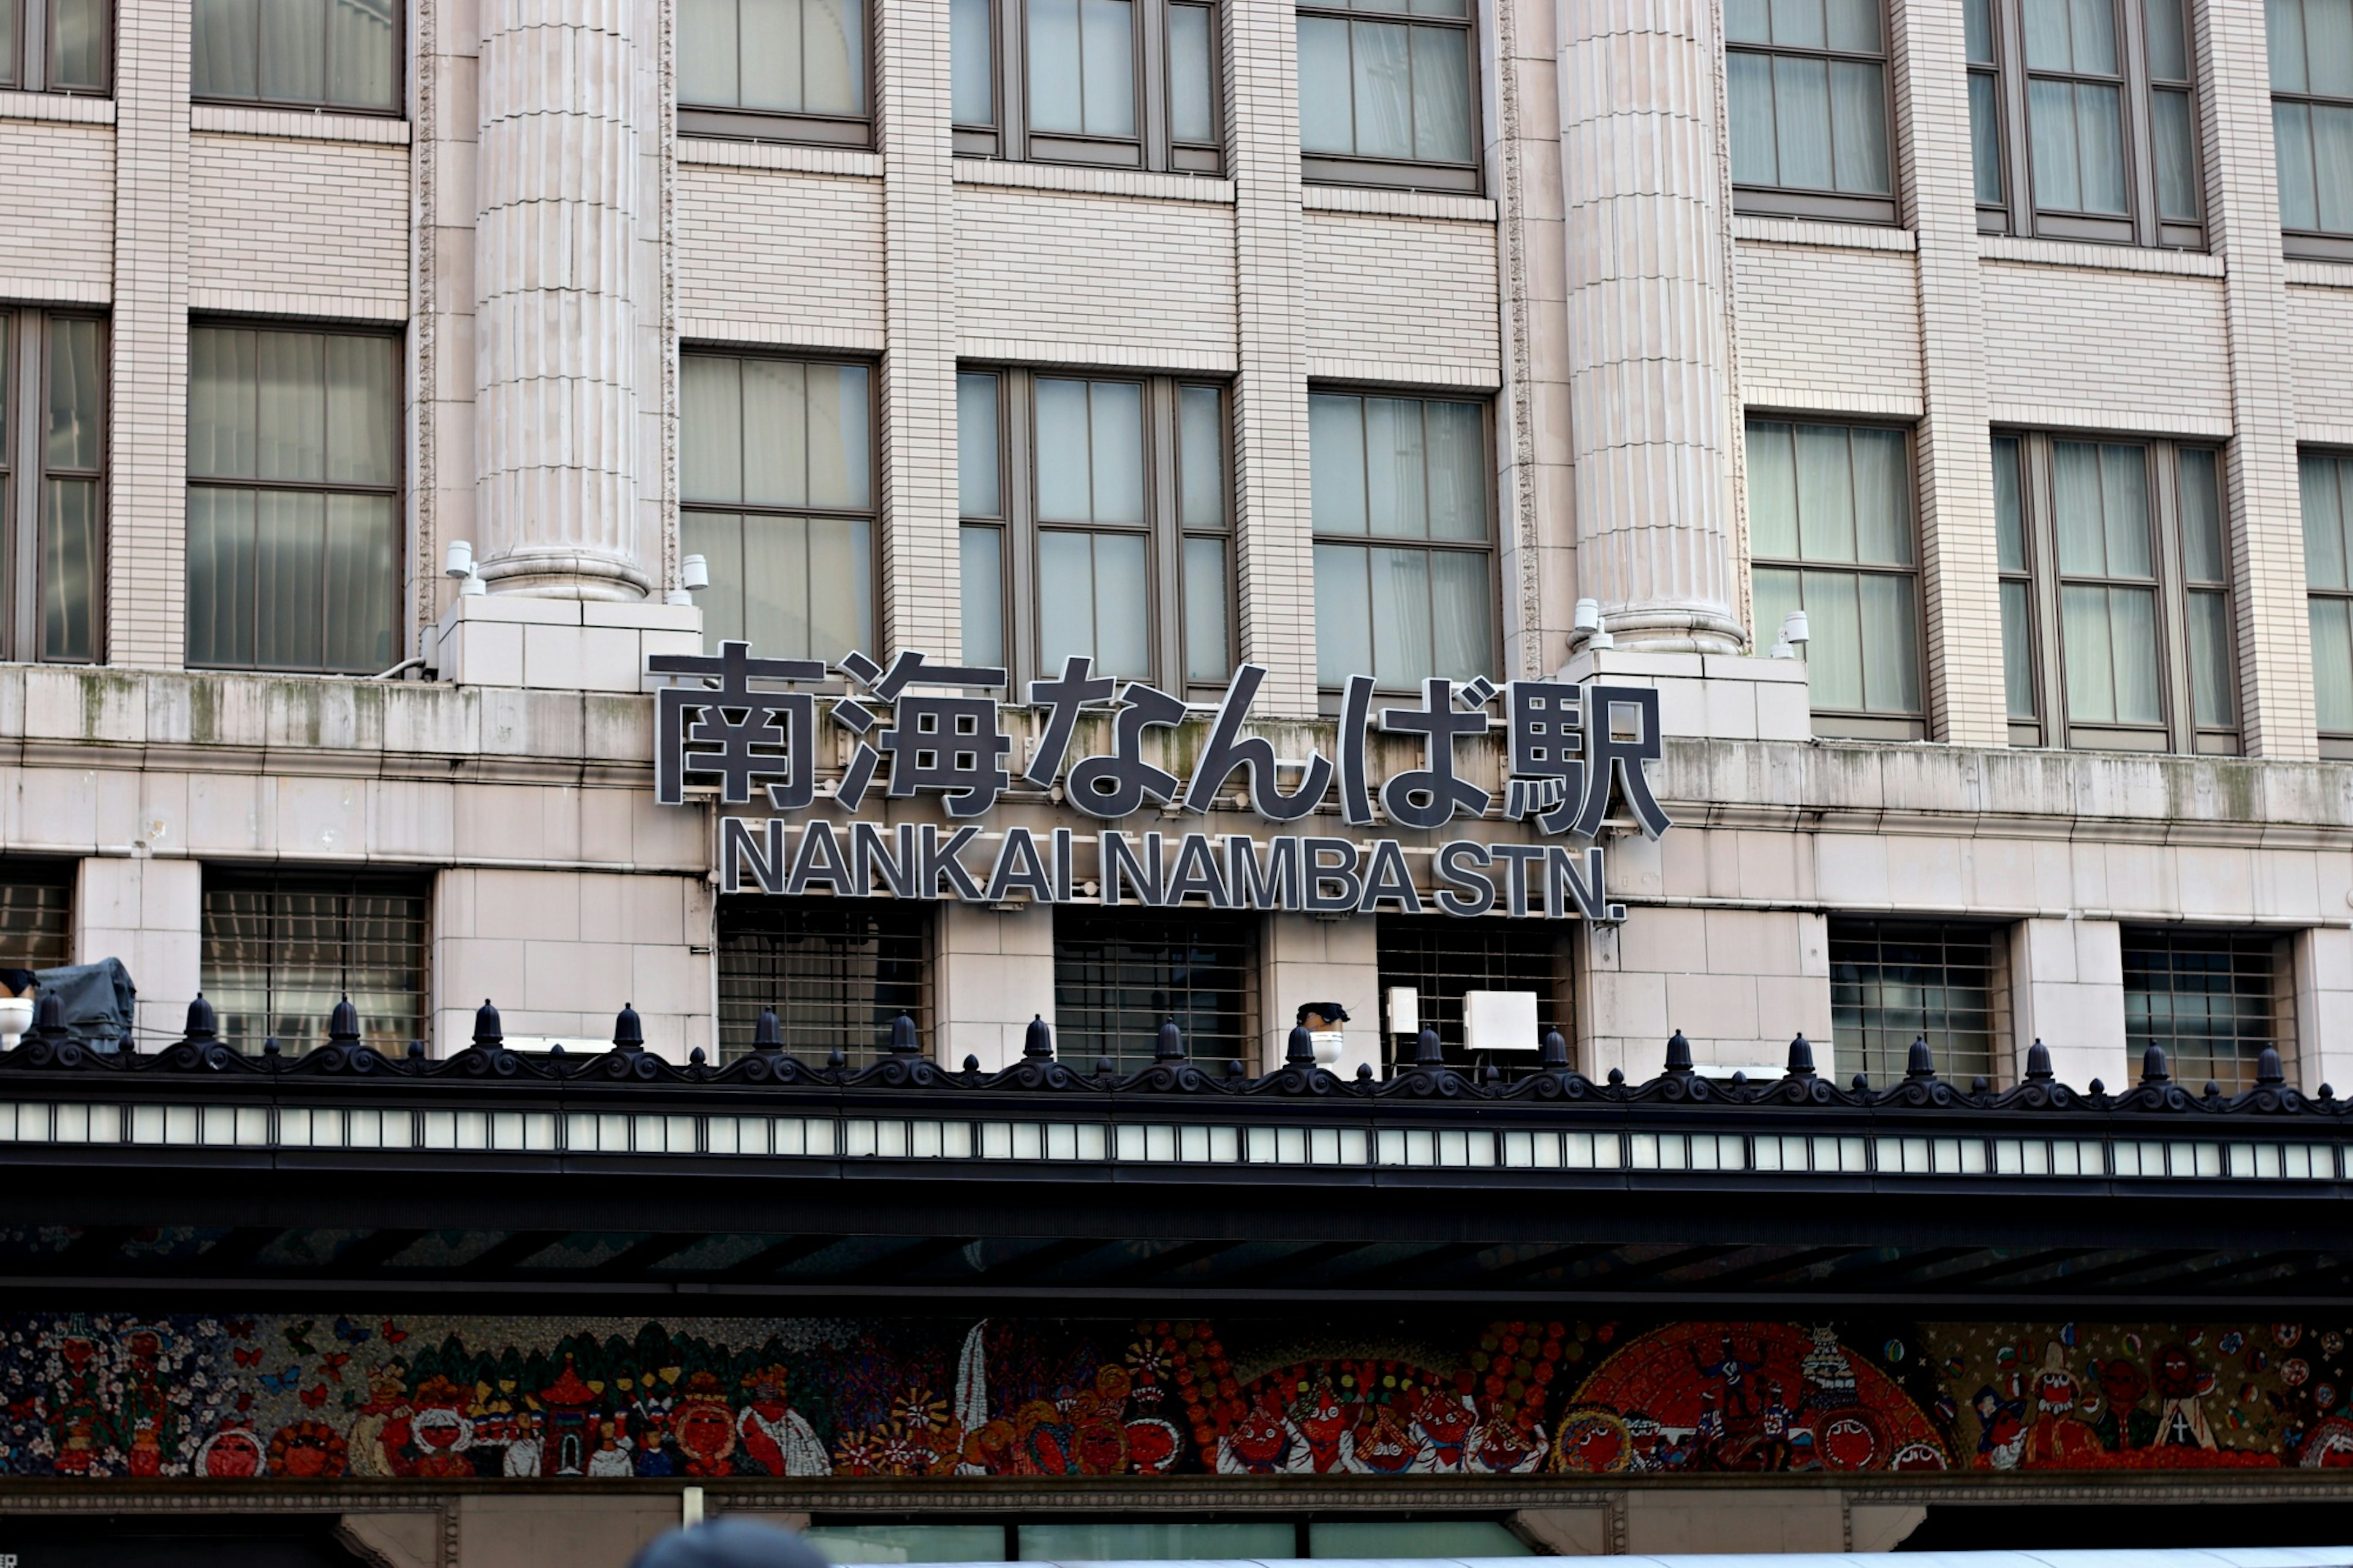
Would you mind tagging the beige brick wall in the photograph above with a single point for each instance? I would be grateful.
(56, 211)
(278, 225)
(2087, 348)
(1409, 300)
(1828, 330)
(780, 256)
(1072, 276)
(2320, 341)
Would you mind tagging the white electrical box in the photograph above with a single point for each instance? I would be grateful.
(1405, 1010)
(1499, 1020)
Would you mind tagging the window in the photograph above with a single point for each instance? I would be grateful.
(316, 54)
(1808, 85)
(53, 445)
(2085, 119)
(1097, 520)
(1830, 532)
(2117, 620)
(836, 971)
(35, 913)
(788, 70)
(1119, 975)
(2211, 998)
(293, 500)
(1133, 84)
(1388, 100)
(1893, 981)
(776, 494)
(1441, 957)
(2327, 481)
(56, 46)
(1405, 583)
(280, 951)
(2312, 122)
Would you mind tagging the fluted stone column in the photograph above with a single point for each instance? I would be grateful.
(556, 310)
(1652, 399)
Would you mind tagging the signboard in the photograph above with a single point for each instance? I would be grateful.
(743, 730)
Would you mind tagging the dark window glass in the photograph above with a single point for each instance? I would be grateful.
(316, 54)
(2083, 118)
(791, 69)
(1807, 82)
(57, 45)
(2312, 122)
(1119, 975)
(294, 530)
(1125, 83)
(836, 971)
(2209, 998)
(1893, 981)
(279, 953)
(35, 914)
(2328, 487)
(1441, 958)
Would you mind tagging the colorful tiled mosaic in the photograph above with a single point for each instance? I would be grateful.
(100, 1394)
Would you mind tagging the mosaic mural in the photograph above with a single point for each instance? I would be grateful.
(99, 1394)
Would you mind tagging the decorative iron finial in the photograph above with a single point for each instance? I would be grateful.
(1679, 1057)
(1553, 1051)
(903, 1036)
(203, 1023)
(2267, 1068)
(487, 1033)
(1300, 1051)
(1170, 1045)
(344, 1024)
(1802, 1057)
(2038, 1063)
(767, 1035)
(1426, 1051)
(1038, 1046)
(1921, 1068)
(2152, 1066)
(628, 1029)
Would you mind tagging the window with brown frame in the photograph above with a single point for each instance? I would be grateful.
(1440, 957)
(280, 948)
(836, 971)
(1119, 975)
(294, 500)
(1388, 94)
(57, 45)
(2083, 120)
(1097, 520)
(53, 462)
(1807, 84)
(1831, 532)
(1401, 491)
(782, 71)
(2327, 493)
(2116, 594)
(342, 54)
(1895, 981)
(1129, 84)
(776, 494)
(2212, 1000)
(2311, 44)
(35, 913)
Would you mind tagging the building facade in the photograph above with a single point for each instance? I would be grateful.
(1915, 438)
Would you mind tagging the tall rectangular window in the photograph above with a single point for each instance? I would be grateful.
(1387, 98)
(1831, 532)
(792, 70)
(2116, 618)
(309, 54)
(1405, 583)
(2212, 1000)
(1441, 958)
(1097, 521)
(1131, 84)
(2328, 484)
(836, 971)
(279, 950)
(1119, 975)
(1894, 981)
(2083, 115)
(1808, 87)
(57, 45)
(294, 460)
(2312, 122)
(776, 494)
(53, 463)
(35, 913)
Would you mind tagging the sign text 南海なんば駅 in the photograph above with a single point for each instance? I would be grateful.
(749, 728)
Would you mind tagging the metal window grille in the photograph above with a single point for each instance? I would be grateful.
(279, 953)
(2211, 998)
(836, 973)
(35, 914)
(1441, 958)
(1119, 975)
(1893, 981)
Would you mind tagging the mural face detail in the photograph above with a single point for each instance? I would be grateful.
(312, 1397)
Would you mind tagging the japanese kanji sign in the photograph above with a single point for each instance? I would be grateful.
(743, 730)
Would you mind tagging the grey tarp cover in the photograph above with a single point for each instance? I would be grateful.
(96, 998)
